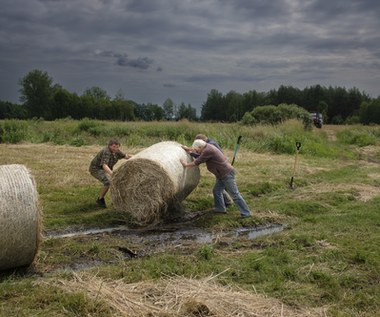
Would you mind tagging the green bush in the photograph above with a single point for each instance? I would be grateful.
(357, 136)
(270, 114)
(87, 125)
(13, 131)
(78, 141)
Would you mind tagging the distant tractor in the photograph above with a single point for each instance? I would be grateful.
(317, 119)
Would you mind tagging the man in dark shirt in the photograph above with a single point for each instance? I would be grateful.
(217, 163)
(102, 165)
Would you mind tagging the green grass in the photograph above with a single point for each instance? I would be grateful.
(275, 139)
(16, 291)
(327, 256)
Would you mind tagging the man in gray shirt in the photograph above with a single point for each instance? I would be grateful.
(217, 163)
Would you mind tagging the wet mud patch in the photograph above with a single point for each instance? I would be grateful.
(96, 247)
(173, 234)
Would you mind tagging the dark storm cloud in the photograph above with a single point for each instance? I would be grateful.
(264, 64)
(141, 62)
(260, 10)
(123, 60)
(111, 54)
(201, 44)
(168, 85)
(327, 10)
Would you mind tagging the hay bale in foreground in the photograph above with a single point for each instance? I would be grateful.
(153, 182)
(20, 217)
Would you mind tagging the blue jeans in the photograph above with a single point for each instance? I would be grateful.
(228, 183)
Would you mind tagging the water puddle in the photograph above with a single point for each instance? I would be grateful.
(84, 232)
(174, 234)
(259, 231)
(161, 239)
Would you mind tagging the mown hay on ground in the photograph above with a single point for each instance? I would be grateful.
(179, 296)
(20, 217)
(153, 182)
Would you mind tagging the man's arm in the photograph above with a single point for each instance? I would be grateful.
(185, 164)
(107, 169)
(190, 151)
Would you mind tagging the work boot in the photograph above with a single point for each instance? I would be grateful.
(101, 202)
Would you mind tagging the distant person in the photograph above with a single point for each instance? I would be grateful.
(227, 199)
(102, 164)
(217, 163)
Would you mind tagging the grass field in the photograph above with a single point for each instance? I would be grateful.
(326, 262)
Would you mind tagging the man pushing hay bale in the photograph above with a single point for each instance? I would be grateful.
(153, 182)
(20, 217)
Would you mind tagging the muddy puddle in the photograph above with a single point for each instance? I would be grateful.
(173, 234)
(144, 242)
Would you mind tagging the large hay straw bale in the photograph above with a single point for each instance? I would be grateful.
(153, 182)
(19, 217)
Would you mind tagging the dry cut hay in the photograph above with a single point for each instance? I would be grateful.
(178, 296)
(20, 217)
(153, 181)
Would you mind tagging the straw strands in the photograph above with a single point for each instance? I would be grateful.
(20, 218)
(153, 182)
(178, 296)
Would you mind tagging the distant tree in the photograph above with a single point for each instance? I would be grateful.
(36, 93)
(252, 99)
(169, 109)
(212, 108)
(186, 112)
(142, 112)
(182, 111)
(288, 95)
(271, 98)
(337, 104)
(354, 100)
(9, 110)
(149, 112)
(158, 112)
(96, 103)
(97, 93)
(5, 109)
(312, 96)
(191, 113)
(119, 95)
(62, 103)
(370, 111)
(234, 106)
(122, 109)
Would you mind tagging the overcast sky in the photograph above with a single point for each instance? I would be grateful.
(151, 50)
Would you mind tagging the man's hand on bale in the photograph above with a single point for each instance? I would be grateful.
(183, 162)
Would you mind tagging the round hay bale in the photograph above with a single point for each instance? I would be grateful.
(153, 182)
(20, 217)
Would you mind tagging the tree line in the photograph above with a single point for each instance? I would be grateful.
(40, 98)
(337, 105)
